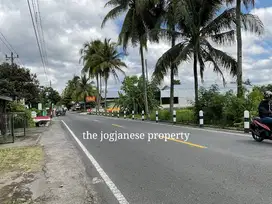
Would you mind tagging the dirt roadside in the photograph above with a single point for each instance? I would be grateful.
(50, 171)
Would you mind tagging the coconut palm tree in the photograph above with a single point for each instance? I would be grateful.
(87, 52)
(169, 21)
(84, 89)
(257, 29)
(198, 25)
(108, 60)
(140, 16)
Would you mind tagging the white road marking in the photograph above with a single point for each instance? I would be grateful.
(97, 180)
(118, 195)
(191, 128)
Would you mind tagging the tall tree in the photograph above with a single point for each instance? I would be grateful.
(167, 28)
(137, 20)
(18, 82)
(239, 25)
(84, 89)
(87, 52)
(197, 24)
(108, 59)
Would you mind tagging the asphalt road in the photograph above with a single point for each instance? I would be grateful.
(211, 167)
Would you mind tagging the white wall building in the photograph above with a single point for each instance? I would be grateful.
(182, 97)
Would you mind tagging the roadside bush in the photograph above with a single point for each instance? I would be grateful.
(185, 116)
(164, 115)
(18, 107)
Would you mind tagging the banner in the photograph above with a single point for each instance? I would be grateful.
(90, 99)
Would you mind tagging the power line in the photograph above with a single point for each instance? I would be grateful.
(39, 15)
(10, 47)
(35, 31)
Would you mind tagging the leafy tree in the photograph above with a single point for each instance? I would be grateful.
(18, 82)
(49, 96)
(68, 94)
(132, 96)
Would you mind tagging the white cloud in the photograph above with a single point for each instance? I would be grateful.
(68, 24)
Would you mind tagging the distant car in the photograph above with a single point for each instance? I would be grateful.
(60, 112)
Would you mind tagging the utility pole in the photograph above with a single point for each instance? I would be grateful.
(146, 70)
(11, 58)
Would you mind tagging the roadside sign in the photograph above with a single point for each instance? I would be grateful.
(33, 114)
(40, 106)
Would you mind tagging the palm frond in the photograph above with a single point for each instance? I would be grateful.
(223, 21)
(156, 34)
(112, 14)
(221, 58)
(227, 37)
(124, 35)
(167, 60)
(216, 68)
(252, 23)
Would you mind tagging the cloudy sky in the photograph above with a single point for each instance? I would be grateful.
(67, 24)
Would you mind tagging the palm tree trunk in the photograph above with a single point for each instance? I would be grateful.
(85, 103)
(97, 93)
(172, 83)
(239, 50)
(144, 82)
(106, 87)
(100, 93)
(195, 78)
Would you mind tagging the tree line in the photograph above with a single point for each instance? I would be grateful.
(192, 27)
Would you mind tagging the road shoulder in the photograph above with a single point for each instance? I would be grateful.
(66, 177)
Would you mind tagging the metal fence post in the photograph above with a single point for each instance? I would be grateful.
(246, 121)
(201, 119)
(143, 115)
(157, 116)
(12, 128)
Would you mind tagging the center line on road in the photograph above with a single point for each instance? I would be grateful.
(188, 143)
(116, 192)
(117, 125)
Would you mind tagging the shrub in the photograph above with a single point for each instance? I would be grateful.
(15, 106)
(164, 115)
(185, 116)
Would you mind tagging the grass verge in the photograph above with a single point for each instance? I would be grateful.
(27, 159)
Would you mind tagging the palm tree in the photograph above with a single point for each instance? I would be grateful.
(138, 19)
(259, 30)
(108, 59)
(197, 23)
(84, 89)
(168, 18)
(87, 52)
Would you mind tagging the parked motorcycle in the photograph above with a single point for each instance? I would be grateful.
(259, 130)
